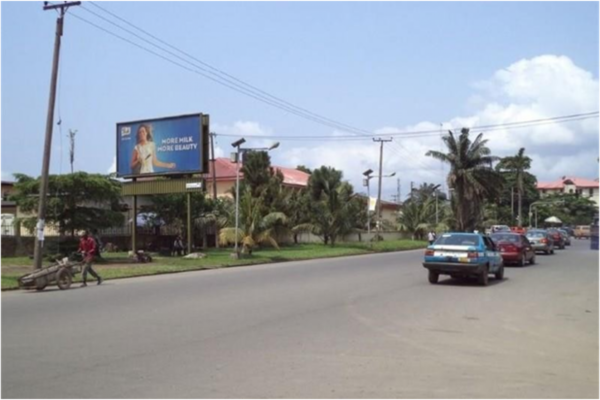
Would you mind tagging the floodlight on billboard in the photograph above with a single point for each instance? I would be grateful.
(163, 146)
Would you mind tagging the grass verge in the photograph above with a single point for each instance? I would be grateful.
(116, 265)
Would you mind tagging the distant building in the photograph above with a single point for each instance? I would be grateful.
(8, 207)
(571, 185)
(226, 175)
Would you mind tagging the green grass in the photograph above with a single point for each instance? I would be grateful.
(114, 268)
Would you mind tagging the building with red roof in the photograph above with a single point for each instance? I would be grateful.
(573, 185)
(226, 173)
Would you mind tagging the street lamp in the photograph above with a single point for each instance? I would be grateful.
(237, 157)
(435, 193)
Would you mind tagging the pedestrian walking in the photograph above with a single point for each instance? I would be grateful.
(87, 247)
(431, 237)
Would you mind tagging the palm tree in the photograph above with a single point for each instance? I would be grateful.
(517, 165)
(471, 176)
(415, 216)
(255, 228)
(334, 209)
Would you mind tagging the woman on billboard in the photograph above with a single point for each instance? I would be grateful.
(144, 158)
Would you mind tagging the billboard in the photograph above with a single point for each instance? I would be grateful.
(163, 146)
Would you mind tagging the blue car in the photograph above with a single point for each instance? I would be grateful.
(462, 255)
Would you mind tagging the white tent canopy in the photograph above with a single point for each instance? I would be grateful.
(553, 220)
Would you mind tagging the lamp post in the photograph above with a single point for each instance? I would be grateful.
(366, 180)
(435, 193)
(238, 156)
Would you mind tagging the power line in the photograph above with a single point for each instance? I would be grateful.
(418, 134)
(224, 81)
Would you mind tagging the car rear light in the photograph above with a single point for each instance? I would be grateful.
(544, 240)
(429, 252)
(472, 254)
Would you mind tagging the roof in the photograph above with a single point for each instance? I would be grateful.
(384, 203)
(225, 171)
(8, 183)
(569, 180)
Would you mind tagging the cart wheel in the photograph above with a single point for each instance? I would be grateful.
(63, 279)
(41, 283)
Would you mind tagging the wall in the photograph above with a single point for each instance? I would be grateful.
(353, 237)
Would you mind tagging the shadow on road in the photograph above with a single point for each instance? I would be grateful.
(469, 282)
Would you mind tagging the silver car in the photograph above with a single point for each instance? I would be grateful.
(541, 241)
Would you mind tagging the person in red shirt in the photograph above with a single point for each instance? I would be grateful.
(87, 247)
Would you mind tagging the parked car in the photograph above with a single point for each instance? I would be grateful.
(463, 255)
(566, 236)
(559, 240)
(541, 240)
(514, 248)
(582, 232)
(500, 228)
(569, 230)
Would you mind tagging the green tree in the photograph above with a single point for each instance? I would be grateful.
(304, 169)
(75, 201)
(571, 209)
(172, 208)
(334, 210)
(255, 228)
(416, 216)
(517, 165)
(471, 177)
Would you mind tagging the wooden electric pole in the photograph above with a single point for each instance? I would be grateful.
(378, 208)
(39, 240)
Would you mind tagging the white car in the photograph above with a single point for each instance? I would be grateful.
(500, 228)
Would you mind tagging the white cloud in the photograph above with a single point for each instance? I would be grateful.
(538, 88)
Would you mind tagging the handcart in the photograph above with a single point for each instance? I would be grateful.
(61, 273)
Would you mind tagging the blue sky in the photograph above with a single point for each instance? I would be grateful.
(375, 66)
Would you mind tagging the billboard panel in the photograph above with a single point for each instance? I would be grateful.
(165, 146)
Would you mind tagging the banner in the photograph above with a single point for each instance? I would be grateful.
(166, 146)
(372, 203)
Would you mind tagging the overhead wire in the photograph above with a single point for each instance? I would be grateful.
(240, 86)
(252, 91)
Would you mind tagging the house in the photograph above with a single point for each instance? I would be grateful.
(571, 185)
(226, 177)
(8, 207)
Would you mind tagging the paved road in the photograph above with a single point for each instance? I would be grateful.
(366, 326)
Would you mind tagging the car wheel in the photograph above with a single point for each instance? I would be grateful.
(522, 260)
(433, 277)
(500, 274)
(532, 261)
(552, 251)
(483, 278)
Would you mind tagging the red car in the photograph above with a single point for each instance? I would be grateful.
(514, 248)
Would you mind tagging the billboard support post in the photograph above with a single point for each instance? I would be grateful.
(189, 223)
(134, 227)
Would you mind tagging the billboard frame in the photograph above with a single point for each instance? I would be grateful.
(203, 130)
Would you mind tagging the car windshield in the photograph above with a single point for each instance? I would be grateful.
(505, 238)
(458, 240)
(536, 234)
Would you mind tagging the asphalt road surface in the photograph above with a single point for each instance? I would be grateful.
(356, 327)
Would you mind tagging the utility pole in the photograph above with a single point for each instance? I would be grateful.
(412, 188)
(378, 208)
(214, 182)
(398, 191)
(39, 241)
(72, 147)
